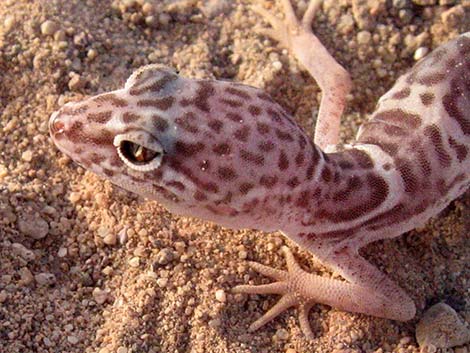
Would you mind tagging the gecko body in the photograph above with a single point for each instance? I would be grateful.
(228, 153)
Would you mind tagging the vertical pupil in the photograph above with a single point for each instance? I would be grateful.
(136, 153)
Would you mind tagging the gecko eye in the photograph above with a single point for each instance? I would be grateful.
(139, 151)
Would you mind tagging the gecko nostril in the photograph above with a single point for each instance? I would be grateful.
(56, 126)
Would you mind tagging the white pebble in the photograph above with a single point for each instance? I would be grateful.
(220, 295)
(134, 262)
(62, 252)
(420, 53)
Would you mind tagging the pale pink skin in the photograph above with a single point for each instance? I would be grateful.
(231, 155)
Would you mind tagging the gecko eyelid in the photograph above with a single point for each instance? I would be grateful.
(138, 152)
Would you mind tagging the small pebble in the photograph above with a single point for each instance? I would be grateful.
(3, 296)
(26, 277)
(282, 334)
(110, 239)
(100, 296)
(27, 156)
(72, 339)
(364, 37)
(441, 327)
(162, 282)
(220, 295)
(165, 256)
(33, 226)
(23, 252)
(62, 252)
(76, 82)
(49, 27)
(420, 53)
(45, 279)
(134, 262)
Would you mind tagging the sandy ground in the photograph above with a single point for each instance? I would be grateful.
(87, 267)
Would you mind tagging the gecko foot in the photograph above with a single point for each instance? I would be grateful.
(283, 31)
(331, 77)
(285, 285)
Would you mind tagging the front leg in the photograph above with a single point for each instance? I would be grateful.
(332, 78)
(367, 290)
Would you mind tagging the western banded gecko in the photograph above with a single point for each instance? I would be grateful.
(228, 153)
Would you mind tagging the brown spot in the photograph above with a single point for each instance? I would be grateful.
(264, 96)
(433, 133)
(159, 103)
(262, 128)
(362, 158)
(304, 200)
(378, 194)
(154, 87)
(254, 110)
(237, 118)
(245, 188)
(461, 150)
(176, 184)
(299, 159)
(354, 183)
(211, 187)
(284, 136)
(242, 134)
(293, 182)
(100, 118)
(326, 174)
(96, 158)
(215, 125)
(112, 99)
(266, 146)
(129, 117)
(159, 123)
(268, 181)
(188, 149)
(199, 196)
(450, 105)
(404, 93)
(302, 141)
(237, 92)
(72, 111)
(108, 172)
(201, 100)
(226, 174)
(74, 133)
(399, 117)
(423, 161)
(405, 168)
(427, 98)
(283, 162)
(231, 102)
(275, 116)
(186, 122)
(432, 79)
(252, 157)
(221, 149)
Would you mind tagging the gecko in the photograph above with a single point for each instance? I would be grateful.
(228, 153)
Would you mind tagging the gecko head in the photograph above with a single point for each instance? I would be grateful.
(210, 149)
